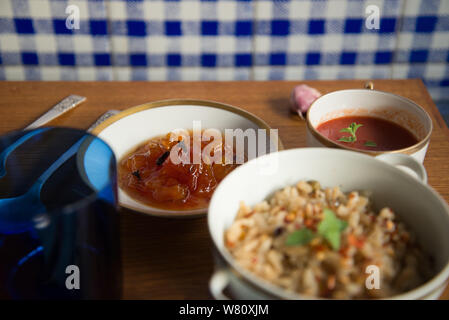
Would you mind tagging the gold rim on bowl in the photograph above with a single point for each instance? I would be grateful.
(174, 102)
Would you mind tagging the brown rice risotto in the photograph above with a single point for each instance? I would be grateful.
(319, 242)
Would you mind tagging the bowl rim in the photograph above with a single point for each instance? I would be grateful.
(330, 143)
(437, 280)
(156, 212)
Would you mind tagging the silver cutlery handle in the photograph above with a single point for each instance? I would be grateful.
(62, 107)
(102, 118)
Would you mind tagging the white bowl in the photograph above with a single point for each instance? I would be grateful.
(363, 102)
(418, 205)
(133, 126)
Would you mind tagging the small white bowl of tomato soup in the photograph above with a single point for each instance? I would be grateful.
(369, 121)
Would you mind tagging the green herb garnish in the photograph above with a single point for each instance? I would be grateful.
(370, 144)
(300, 237)
(352, 130)
(330, 228)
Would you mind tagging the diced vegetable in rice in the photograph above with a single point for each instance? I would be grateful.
(319, 242)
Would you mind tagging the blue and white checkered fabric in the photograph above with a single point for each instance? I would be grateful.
(226, 40)
(323, 40)
(182, 40)
(423, 45)
(36, 44)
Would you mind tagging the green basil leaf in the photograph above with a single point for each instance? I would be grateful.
(333, 237)
(346, 139)
(330, 228)
(355, 126)
(299, 237)
(370, 144)
(349, 130)
(352, 130)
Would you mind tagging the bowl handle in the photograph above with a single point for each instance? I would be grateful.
(217, 283)
(406, 163)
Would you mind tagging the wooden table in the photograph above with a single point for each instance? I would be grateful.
(171, 259)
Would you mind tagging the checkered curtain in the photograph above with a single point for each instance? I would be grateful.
(225, 40)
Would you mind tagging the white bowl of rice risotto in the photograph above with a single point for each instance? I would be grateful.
(319, 223)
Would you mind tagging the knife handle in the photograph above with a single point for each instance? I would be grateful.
(103, 118)
(62, 107)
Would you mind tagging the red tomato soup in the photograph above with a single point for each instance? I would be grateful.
(367, 133)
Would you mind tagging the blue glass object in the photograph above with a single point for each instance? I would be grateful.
(59, 224)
